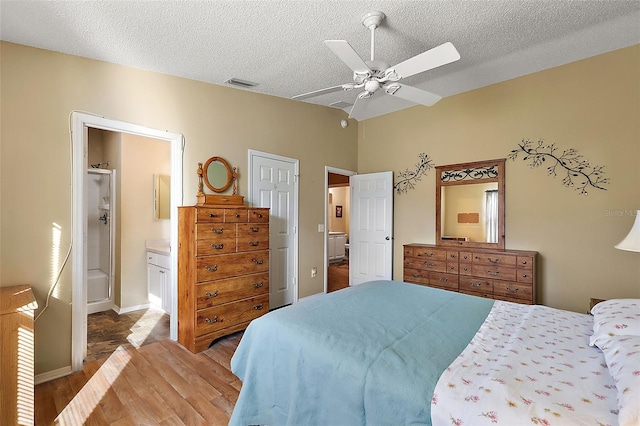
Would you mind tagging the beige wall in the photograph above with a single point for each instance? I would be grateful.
(592, 106)
(141, 159)
(39, 90)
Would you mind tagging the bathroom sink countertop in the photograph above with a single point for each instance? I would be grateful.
(158, 246)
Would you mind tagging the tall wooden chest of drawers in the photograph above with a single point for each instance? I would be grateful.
(223, 271)
(495, 274)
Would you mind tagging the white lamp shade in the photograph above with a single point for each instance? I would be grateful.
(632, 241)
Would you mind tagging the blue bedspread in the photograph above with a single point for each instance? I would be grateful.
(369, 354)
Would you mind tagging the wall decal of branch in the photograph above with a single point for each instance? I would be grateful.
(580, 173)
(408, 178)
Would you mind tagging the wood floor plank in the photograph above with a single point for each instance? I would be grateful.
(179, 406)
(174, 421)
(145, 390)
(182, 361)
(215, 367)
(171, 376)
(45, 407)
(224, 404)
(158, 383)
(132, 405)
(63, 395)
(212, 414)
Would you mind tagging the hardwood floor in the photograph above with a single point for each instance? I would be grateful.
(337, 276)
(160, 383)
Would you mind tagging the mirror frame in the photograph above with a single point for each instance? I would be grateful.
(467, 177)
(205, 176)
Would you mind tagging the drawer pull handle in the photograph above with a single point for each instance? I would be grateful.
(211, 320)
(258, 262)
(492, 273)
(511, 290)
(493, 260)
(217, 231)
(218, 246)
(476, 285)
(465, 257)
(258, 285)
(237, 214)
(524, 262)
(465, 269)
(429, 254)
(211, 295)
(211, 269)
(212, 215)
(258, 307)
(452, 267)
(259, 215)
(429, 265)
(254, 243)
(254, 229)
(443, 280)
(525, 275)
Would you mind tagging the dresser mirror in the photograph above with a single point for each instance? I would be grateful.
(470, 204)
(217, 174)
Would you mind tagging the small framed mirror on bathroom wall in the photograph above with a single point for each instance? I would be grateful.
(161, 197)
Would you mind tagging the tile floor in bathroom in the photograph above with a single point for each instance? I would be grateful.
(106, 331)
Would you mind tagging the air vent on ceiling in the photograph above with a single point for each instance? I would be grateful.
(340, 104)
(241, 83)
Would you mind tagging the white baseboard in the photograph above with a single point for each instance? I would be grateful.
(53, 374)
(92, 308)
(120, 311)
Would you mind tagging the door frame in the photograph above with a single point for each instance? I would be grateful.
(327, 170)
(252, 153)
(80, 123)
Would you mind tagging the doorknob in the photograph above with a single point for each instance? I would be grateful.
(387, 238)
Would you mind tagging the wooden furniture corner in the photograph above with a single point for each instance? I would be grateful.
(17, 305)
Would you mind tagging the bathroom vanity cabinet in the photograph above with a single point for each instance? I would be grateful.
(336, 245)
(159, 279)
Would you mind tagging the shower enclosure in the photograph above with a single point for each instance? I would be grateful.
(100, 239)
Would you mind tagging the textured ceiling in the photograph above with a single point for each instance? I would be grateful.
(279, 44)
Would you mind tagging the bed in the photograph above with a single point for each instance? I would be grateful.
(391, 353)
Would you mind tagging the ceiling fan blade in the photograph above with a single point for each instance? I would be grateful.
(345, 52)
(322, 92)
(433, 58)
(411, 94)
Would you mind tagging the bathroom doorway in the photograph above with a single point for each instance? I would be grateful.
(82, 124)
(337, 222)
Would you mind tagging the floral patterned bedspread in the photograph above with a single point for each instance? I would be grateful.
(527, 365)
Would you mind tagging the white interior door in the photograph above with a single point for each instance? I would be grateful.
(371, 229)
(273, 184)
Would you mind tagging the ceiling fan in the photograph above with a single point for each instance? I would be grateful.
(374, 74)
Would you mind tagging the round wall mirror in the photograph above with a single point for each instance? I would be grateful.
(217, 174)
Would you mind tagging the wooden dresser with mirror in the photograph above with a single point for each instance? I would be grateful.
(469, 255)
(223, 261)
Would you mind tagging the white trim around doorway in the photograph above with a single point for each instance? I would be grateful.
(327, 170)
(80, 123)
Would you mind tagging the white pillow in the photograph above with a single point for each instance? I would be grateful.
(615, 317)
(622, 354)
